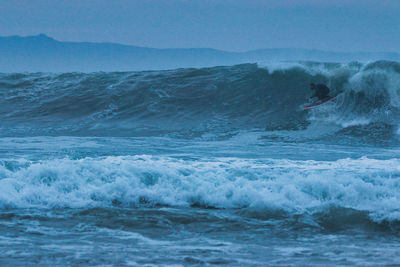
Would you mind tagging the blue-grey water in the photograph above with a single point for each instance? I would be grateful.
(201, 166)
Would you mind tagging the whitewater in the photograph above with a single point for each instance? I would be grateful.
(202, 166)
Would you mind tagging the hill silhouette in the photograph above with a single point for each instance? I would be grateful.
(42, 53)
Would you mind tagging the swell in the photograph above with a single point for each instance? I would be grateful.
(114, 103)
(195, 101)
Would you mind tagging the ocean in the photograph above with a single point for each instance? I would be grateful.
(209, 166)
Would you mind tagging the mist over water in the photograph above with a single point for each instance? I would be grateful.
(216, 165)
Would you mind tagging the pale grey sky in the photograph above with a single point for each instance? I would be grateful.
(236, 25)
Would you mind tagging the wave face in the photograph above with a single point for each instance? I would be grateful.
(196, 101)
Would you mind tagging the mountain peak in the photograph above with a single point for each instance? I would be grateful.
(42, 37)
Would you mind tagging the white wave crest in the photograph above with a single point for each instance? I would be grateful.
(293, 186)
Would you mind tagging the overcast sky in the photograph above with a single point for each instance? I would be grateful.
(235, 25)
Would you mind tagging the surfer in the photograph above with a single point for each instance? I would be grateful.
(321, 91)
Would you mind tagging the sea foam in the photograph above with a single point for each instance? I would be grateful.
(289, 186)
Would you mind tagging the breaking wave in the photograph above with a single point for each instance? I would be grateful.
(197, 101)
(272, 186)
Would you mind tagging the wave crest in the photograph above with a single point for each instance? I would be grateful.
(196, 101)
(291, 186)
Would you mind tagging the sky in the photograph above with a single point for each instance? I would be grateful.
(232, 25)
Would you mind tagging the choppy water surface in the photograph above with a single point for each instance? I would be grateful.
(201, 166)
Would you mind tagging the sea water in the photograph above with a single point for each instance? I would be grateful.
(201, 166)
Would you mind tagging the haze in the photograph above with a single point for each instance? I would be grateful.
(235, 25)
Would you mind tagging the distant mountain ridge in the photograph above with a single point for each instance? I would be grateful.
(42, 53)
